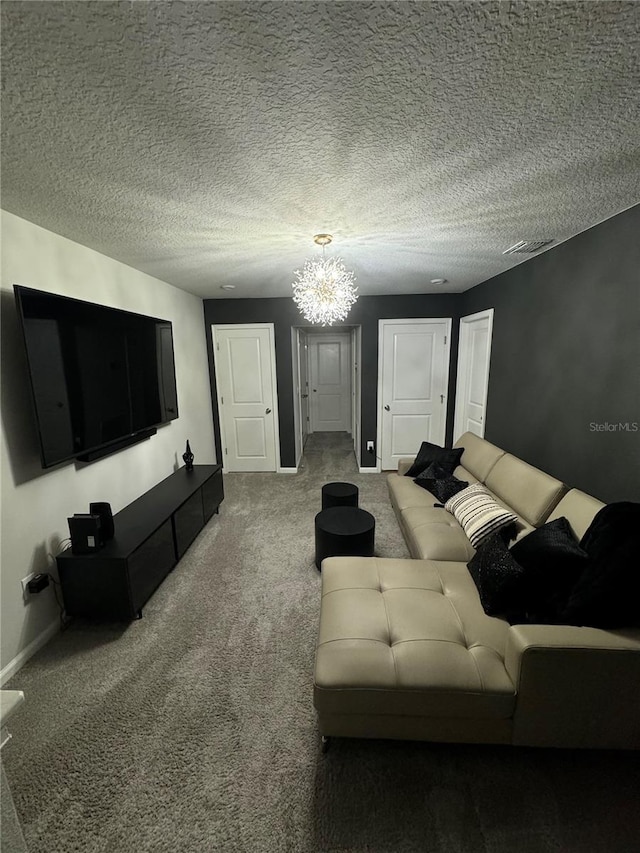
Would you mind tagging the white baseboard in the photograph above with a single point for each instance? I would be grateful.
(28, 652)
(375, 470)
(287, 470)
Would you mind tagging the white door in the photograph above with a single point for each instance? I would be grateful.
(474, 355)
(330, 381)
(414, 371)
(245, 376)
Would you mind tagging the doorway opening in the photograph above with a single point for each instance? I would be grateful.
(326, 383)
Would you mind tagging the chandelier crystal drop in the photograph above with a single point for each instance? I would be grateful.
(324, 289)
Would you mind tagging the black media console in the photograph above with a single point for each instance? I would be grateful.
(151, 535)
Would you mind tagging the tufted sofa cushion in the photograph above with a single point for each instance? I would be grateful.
(408, 637)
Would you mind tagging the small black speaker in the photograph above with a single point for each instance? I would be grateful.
(86, 533)
(106, 519)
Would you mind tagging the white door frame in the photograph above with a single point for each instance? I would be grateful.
(447, 355)
(297, 402)
(463, 357)
(274, 384)
(297, 343)
(356, 390)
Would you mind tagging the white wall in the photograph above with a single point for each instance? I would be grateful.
(36, 503)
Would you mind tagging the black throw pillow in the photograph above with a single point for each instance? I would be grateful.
(607, 593)
(498, 578)
(449, 458)
(439, 482)
(552, 561)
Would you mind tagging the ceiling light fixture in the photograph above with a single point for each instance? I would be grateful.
(324, 290)
(227, 287)
(438, 281)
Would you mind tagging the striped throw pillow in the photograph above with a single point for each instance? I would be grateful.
(478, 513)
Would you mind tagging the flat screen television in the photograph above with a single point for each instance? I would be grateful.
(101, 378)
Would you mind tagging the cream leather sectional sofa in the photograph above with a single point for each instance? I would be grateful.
(405, 649)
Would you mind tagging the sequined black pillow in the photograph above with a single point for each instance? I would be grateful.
(428, 453)
(440, 482)
(553, 561)
(498, 577)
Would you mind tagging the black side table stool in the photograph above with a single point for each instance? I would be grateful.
(339, 494)
(344, 531)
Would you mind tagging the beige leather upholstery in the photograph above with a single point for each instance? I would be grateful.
(579, 508)
(466, 476)
(577, 687)
(406, 650)
(527, 490)
(404, 493)
(434, 534)
(404, 464)
(479, 456)
(405, 727)
(408, 637)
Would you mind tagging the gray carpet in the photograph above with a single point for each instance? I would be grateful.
(193, 729)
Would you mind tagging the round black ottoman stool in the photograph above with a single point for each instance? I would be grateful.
(339, 494)
(344, 531)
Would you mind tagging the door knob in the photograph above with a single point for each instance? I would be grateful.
(268, 412)
(387, 409)
(304, 396)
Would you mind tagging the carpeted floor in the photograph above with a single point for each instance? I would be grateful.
(193, 729)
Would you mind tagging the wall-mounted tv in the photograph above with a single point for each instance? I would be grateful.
(101, 378)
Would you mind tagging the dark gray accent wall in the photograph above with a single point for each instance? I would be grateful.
(284, 314)
(564, 385)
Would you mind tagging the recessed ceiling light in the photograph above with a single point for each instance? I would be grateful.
(227, 287)
(438, 281)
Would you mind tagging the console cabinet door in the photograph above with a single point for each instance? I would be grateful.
(188, 522)
(150, 564)
(212, 495)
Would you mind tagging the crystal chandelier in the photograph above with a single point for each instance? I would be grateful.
(324, 290)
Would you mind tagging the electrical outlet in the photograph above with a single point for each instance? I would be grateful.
(369, 447)
(26, 595)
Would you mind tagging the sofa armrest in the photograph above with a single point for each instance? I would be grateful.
(404, 465)
(576, 687)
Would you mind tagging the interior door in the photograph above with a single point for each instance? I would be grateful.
(474, 356)
(244, 362)
(330, 380)
(414, 373)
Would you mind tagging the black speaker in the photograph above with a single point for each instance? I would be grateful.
(106, 519)
(86, 533)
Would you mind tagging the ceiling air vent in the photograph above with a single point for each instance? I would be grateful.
(527, 247)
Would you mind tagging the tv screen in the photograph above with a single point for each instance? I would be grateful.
(98, 375)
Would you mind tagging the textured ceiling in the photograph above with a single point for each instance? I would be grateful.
(205, 143)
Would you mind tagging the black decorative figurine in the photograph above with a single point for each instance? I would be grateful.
(188, 458)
